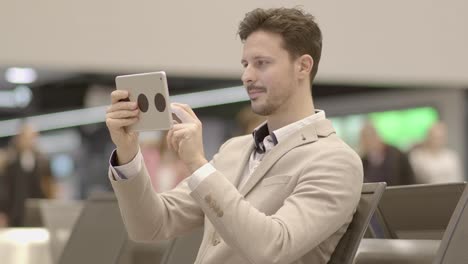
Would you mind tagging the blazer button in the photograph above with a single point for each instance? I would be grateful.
(219, 213)
(208, 199)
(216, 242)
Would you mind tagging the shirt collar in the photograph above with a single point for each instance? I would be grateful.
(261, 132)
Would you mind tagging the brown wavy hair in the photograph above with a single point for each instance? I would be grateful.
(298, 29)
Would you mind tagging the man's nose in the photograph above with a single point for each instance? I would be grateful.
(248, 76)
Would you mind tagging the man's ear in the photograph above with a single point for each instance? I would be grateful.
(305, 64)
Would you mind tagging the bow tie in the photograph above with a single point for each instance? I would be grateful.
(259, 135)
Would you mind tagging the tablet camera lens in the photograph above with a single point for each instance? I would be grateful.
(160, 102)
(143, 103)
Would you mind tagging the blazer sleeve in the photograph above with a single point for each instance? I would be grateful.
(148, 215)
(324, 199)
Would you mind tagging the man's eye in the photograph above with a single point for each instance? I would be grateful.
(261, 63)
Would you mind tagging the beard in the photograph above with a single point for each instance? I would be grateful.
(268, 106)
(269, 102)
(263, 110)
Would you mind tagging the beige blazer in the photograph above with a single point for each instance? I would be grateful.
(294, 208)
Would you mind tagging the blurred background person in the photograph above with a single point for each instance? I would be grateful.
(432, 161)
(383, 162)
(27, 174)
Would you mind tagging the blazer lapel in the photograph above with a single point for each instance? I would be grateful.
(306, 135)
(244, 163)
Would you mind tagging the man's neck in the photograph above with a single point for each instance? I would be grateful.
(291, 114)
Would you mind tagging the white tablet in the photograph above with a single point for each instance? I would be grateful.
(151, 92)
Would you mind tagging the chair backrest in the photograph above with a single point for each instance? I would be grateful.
(99, 234)
(403, 211)
(453, 247)
(32, 213)
(59, 217)
(347, 247)
(184, 249)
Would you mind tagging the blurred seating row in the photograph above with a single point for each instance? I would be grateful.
(418, 224)
(397, 224)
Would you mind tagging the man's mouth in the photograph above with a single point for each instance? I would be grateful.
(255, 92)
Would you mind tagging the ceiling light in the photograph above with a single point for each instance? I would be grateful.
(21, 75)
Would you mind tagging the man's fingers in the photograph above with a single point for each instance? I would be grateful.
(175, 136)
(169, 140)
(123, 114)
(118, 95)
(187, 109)
(120, 123)
(183, 114)
(180, 134)
(177, 127)
(122, 106)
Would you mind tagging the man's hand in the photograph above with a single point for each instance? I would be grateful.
(120, 114)
(186, 138)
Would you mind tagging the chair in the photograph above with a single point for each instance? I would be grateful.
(184, 249)
(99, 236)
(396, 251)
(453, 246)
(32, 213)
(59, 217)
(450, 250)
(347, 247)
(403, 212)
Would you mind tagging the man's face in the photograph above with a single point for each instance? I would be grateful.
(437, 137)
(370, 140)
(269, 75)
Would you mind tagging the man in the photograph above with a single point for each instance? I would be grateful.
(285, 195)
(27, 175)
(433, 161)
(383, 162)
